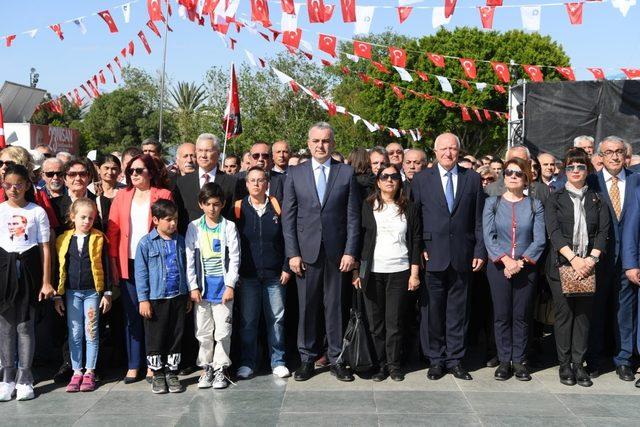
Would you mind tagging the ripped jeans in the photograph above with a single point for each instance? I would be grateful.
(83, 311)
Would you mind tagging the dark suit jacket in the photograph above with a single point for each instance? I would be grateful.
(185, 194)
(537, 190)
(450, 238)
(61, 207)
(276, 185)
(307, 224)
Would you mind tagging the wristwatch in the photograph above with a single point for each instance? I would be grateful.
(594, 258)
(107, 293)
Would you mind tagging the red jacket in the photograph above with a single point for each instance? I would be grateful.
(119, 223)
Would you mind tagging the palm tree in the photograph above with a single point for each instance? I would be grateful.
(188, 98)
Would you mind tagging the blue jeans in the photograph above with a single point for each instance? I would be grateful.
(82, 320)
(134, 329)
(269, 294)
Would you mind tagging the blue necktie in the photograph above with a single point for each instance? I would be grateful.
(321, 185)
(448, 194)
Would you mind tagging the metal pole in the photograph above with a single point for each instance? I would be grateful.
(164, 65)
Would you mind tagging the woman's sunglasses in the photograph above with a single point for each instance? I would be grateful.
(7, 163)
(136, 171)
(394, 176)
(52, 174)
(81, 174)
(511, 172)
(578, 168)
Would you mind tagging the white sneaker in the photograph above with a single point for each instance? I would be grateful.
(220, 379)
(206, 379)
(24, 392)
(244, 372)
(6, 391)
(281, 372)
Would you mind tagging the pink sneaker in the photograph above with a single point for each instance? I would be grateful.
(88, 382)
(74, 384)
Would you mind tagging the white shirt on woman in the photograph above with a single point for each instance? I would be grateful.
(23, 228)
(390, 254)
(139, 218)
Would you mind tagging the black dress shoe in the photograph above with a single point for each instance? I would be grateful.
(521, 372)
(567, 377)
(341, 372)
(380, 375)
(493, 362)
(63, 375)
(625, 373)
(582, 377)
(460, 373)
(304, 372)
(396, 374)
(435, 372)
(131, 380)
(503, 372)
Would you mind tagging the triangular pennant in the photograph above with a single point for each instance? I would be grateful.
(155, 10)
(132, 48)
(465, 114)
(404, 12)
(126, 12)
(445, 84)
(494, 3)
(438, 17)
(499, 89)
(380, 67)
(404, 74)
(531, 17)
(80, 24)
(447, 103)
(574, 10)
(110, 68)
(8, 41)
(364, 18)
(123, 52)
(449, 7)
(103, 80)
(486, 16)
(423, 76)
(477, 113)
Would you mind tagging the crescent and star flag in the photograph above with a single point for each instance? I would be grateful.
(398, 57)
(598, 73)
(567, 72)
(56, 28)
(231, 123)
(469, 67)
(155, 11)
(106, 15)
(502, 70)
(404, 12)
(575, 12)
(437, 60)
(348, 10)
(260, 12)
(534, 72)
(486, 16)
(145, 43)
(3, 143)
(327, 44)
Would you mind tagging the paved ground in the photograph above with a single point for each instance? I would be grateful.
(266, 401)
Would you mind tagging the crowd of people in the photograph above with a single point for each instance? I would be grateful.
(189, 265)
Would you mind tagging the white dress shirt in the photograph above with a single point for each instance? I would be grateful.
(316, 169)
(211, 173)
(622, 177)
(444, 179)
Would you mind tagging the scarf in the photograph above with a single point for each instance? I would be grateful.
(580, 233)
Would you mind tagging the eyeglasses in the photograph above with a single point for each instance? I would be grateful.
(390, 152)
(488, 179)
(577, 168)
(511, 172)
(610, 153)
(18, 187)
(136, 171)
(263, 156)
(7, 163)
(394, 176)
(81, 174)
(51, 174)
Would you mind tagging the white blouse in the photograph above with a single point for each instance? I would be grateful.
(139, 221)
(391, 254)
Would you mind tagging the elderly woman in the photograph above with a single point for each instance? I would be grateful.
(513, 227)
(129, 221)
(390, 267)
(578, 225)
(487, 175)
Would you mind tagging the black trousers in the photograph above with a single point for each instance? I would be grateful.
(386, 302)
(448, 314)
(481, 314)
(163, 332)
(512, 310)
(321, 287)
(601, 340)
(571, 328)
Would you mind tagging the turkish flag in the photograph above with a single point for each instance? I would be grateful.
(502, 71)
(423, 76)
(348, 10)
(499, 88)
(469, 67)
(447, 103)
(449, 7)
(437, 60)
(56, 28)
(345, 70)
(598, 73)
(155, 10)
(364, 77)
(327, 44)
(102, 79)
(106, 15)
(123, 52)
(288, 7)
(9, 40)
(326, 63)
(110, 68)
(632, 73)
(260, 12)
(86, 91)
(209, 6)
(398, 57)
(152, 26)
(575, 12)
(466, 117)
(132, 48)
(3, 142)
(397, 91)
(567, 72)
(477, 113)
(318, 12)
(487, 114)
(486, 16)
(380, 67)
(494, 3)
(292, 38)
(231, 123)
(465, 84)
(404, 12)
(534, 72)
(144, 41)
(294, 86)
(378, 83)
(328, 12)
(362, 49)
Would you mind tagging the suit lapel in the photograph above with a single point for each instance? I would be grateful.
(333, 173)
(462, 180)
(628, 191)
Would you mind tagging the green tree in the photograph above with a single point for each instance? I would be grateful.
(188, 105)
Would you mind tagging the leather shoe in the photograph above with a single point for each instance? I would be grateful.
(304, 372)
(503, 372)
(380, 375)
(396, 374)
(521, 372)
(567, 377)
(582, 377)
(625, 373)
(341, 372)
(460, 373)
(493, 362)
(435, 372)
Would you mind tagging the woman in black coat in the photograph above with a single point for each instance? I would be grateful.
(578, 226)
(389, 266)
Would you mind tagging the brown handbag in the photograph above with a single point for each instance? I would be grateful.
(574, 286)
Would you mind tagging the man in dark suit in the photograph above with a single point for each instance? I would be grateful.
(188, 186)
(321, 225)
(260, 155)
(451, 200)
(616, 186)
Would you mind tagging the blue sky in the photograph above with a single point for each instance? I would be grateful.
(605, 39)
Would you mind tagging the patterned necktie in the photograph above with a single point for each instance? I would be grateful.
(448, 194)
(321, 185)
(206, 178)
(614, 195)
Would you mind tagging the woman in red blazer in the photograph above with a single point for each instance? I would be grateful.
(129, 221)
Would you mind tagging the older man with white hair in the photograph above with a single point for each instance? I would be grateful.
(586, 142)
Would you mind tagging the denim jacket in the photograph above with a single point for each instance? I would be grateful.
(150, 271)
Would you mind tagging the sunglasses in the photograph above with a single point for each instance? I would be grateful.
(511, 172)
(81, 174)
(577, 168)
(51, 174)
(136, 171)
(263, 156)
(390, 152)
(394, 176)
(18, 187)
(488, 179)
(7, 163)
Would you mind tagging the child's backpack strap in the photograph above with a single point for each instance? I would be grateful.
(276, 205)
(237, 209)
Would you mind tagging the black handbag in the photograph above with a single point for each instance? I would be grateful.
(357, 347)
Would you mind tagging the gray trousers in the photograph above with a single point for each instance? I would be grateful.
(21, 337)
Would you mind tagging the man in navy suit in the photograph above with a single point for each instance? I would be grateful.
(321, 226)
(451, 200)
(616, 186)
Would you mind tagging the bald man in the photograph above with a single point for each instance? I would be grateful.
(186, 158)
(414, 161)
(547, 170)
